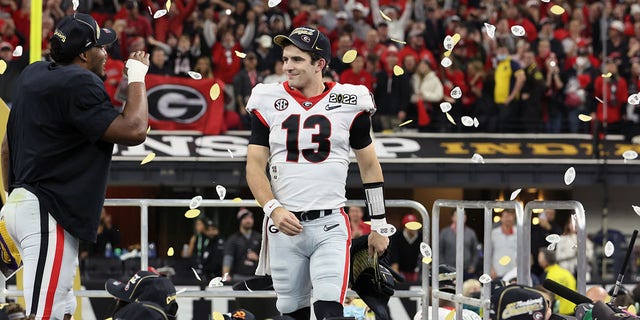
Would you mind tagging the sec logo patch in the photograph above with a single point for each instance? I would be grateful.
(281, 104)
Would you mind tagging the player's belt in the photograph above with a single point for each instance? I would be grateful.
(313, 214)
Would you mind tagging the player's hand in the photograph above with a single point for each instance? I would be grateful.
(140, 56)
(377, 243)
(286, 221)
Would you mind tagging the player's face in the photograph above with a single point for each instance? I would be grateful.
(300, 70)
(96, 60)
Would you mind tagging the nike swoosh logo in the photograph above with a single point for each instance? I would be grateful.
(329, 108)
(328, 228)
(319, 49)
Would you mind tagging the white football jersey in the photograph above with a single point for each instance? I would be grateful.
(309, 141)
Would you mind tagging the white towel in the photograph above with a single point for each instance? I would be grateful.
(263, 262)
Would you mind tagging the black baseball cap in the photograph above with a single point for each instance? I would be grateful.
(141, 310)
(307, 39)
(146, 286)
(76, 34)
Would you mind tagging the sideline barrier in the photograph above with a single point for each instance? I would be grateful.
(144, 205)
(485, 295)
(580, 226)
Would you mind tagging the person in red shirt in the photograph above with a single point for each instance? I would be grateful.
(113, 71)
(358, 227)
(616, 92)
(356, 74)
(225, 62)
(174, 19)
(514, 17)
(417, 49)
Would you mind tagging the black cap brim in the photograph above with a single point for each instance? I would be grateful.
(282, 40)
(116, 289)
(107, 36)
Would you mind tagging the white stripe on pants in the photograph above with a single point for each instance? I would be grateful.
(48, 272)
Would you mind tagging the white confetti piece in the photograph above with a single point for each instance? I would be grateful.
(636, 209)
(150, 11)
(476, 158)
(584, 117)
(515, 194)
(17, 52)
(552, 238)
(456, 93)
(398, 41)
(552, 247)
(466, 121)
(194, 75)
(490, 29)
(517, 31)
(405, 123)
(216, 282)
(225, 277)
(546, 1)
(425, 249)
(76, 4)
(230, 153)
(239, 54)
(445, 107)
(633, 99)
(476, 123)
(384, 16)
(485, 278)
(569, 176)
(222, 191)
(608, 249)
(160, 13)
(450, 118)
(386, 230)
(599, 100)
(195, 202)
(607, 75)
(181, 291)
(629, 155)
(446, 62)
(273, 3)
(196, 274)
(448, 42)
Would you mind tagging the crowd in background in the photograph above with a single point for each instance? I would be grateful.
(538, 82)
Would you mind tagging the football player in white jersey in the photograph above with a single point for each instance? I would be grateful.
(303, 131)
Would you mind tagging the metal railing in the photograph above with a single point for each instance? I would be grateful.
(144, 205)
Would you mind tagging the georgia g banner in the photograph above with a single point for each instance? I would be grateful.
(184, 104)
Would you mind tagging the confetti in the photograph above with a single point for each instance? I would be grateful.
(239, 54)
(148, 129)
(450, 118)
(636, 209)
(76, 4)
(584, 117)
(515, 194)
(445, 107)
(485, 278)
(3, 66)
(217, 315)
(170, 252)
(214, 93)
(413, 225)
(448, 42)
(466, 121)
(216, 282)
(349, 56)
(398, 41)
(386, 230)
(456, 38)
(491, 30)
(456, 93)
(426, 260)
(167, 5)
(553, 238)
(405, 123)
(150, 12)
(194, 75)
(634, 99)
(546, 1)
(447, 53)
(273, 3)
(476, 123)
(196, 274)
(599, 100)
(160, 13)
(608, 249)
(236, 200)
(629, 155)
(607, 75)
(397, 70)
(476, 158)
(504, 260)
(17, 52)
(225, 277)
(569, 176)
(230, 153)
(556, 9)
(195, 202)
(148, 158)
(192, 213)
(517, 31)
(425, 249)
(632, 309)
(222, 191)
(451, 315)
(551, 247)
(181, 291)
(446, 62)
(384, 16)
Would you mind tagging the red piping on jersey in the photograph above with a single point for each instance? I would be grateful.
(260, 118)
(300, 98)
(345, 278)
(55, 272)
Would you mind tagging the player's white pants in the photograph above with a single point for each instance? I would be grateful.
(315, 259)
(49, 255)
